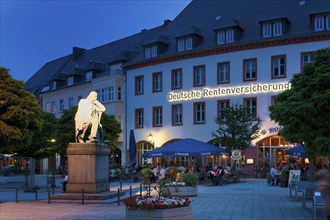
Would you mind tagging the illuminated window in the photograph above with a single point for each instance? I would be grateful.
(199, 75)
(223, 72)
(177, 115)
(157, 116)
(250, 69)
(139, 121)
(157, 82)
(177, 79)
(278, 66)
(199, 113)
(139, 85)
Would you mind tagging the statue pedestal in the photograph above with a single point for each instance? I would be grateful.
(88, 168)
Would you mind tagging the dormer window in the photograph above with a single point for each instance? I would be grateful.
(53, 85)
(272, 29)
(88, 76)
(322, 22)
(185, 43)
(150, 51)
(69, 81)
(225, 36)
(116, 68)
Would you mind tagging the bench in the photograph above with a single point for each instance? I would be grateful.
(304, 187)
(319, 200)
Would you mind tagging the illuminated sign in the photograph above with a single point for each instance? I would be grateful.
(228, 91)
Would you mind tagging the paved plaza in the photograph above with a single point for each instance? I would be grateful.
(251, 199)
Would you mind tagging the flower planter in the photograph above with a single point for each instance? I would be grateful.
(183, 190)
(182, 213)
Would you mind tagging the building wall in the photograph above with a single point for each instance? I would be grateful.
(203, 132)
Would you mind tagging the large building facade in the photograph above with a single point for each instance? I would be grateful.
(172, 81)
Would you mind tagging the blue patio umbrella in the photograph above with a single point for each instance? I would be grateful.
(297, 151)
(185, 148)
(132, 149)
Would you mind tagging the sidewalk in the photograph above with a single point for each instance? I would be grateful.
(253, 199)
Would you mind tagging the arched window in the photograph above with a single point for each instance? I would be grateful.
(143, 147)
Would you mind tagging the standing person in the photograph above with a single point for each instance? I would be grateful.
(65, 181)
(89, 112)
(155, 171)
(162, 173)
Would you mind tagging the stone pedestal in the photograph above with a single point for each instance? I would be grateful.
(88, 168)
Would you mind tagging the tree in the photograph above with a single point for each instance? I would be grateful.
(19, 111)
(304, 110)
(42, 145)
(237, 127)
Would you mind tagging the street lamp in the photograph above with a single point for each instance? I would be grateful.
(150, 138)
(54, 165)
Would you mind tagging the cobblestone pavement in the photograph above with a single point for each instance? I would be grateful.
(249, 200)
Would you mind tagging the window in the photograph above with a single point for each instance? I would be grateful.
(222, 106)
(157, 116)
(139, 85)
(306, 57)
(150, 51)
(69, 81)
(54, 85)
(223, 72)
(139, 118)
(111, 94)
(48, 107)
(157, 82)
(278, 66)
(103, 95)
(61, 105)
(250, 69)
(53, 106)
(70, 102)
(185, 43)
(199, 113)
(273, 100)
(119, 93)
(251, 104)
(88, 76)
(177, 79)
(199, 75)
(116, 68)
(322, 22)
(272, 29)
(225, 36)
(177, 115)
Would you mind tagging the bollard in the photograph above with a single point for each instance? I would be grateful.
(48, 195)
(121, 185)
(82, 196)
(36, 194)
(140, 189)
(118, 197)
(130, 191)
(52, 189)
(16, 194)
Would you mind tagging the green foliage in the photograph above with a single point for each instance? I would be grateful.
(189, 178)
(146, 172)
(304, 110)
(237, 128)
(19, 111)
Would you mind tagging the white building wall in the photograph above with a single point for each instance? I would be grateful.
(203, 132)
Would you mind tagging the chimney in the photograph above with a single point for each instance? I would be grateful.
(167, 21)
(76, 52)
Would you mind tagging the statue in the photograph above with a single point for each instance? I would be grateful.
(89, 113)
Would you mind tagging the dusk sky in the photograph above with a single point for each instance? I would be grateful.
(36, 32)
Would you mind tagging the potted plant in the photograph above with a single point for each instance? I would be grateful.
(187, 185)
(284, 178)
(160, 206)
(147, 174)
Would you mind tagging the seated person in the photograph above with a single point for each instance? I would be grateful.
(275, 175)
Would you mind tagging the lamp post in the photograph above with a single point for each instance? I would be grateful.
(54, 166)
